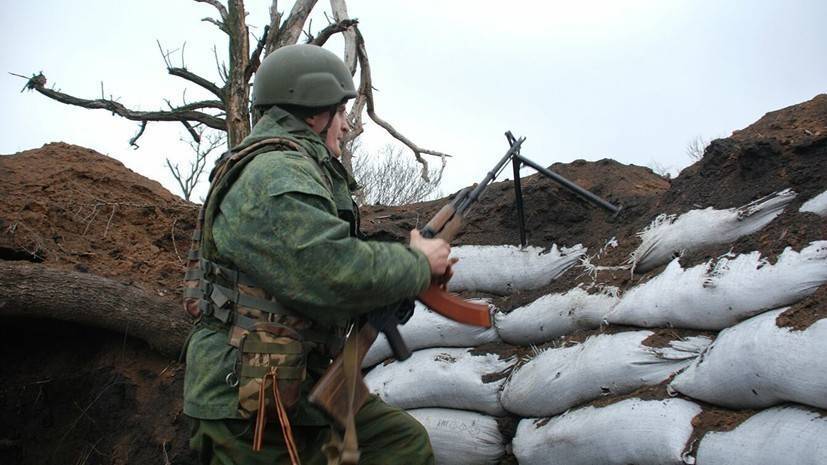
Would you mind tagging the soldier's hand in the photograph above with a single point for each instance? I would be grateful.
(437, 251)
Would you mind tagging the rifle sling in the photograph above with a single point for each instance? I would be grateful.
(346, 451)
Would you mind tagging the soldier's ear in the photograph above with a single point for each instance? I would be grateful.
(314, 123)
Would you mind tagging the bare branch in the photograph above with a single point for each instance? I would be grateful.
(275, 21)
(183, 73)
(307, 32)
(164, 54)
(188, 181)
(292, 28)
(357, 108)
(255, 59)
(220, 66)
(218, 6)
(183, 48)
(367, 87)
(217, 104)
(218, 24)
(339, 8)
(134, 141)
(334, 28)
(196, 136)
(196, 79)
(38, 83)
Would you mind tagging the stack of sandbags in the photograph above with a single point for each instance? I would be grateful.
(462, 438)
(604, 396)
(503, 269)
(559, 379)
(631, 431)
(556, 315)
(450, 388)
(717, 295)
(751, 365)
(756, 364)
(442, 377)
(670, 235)
(777, 436)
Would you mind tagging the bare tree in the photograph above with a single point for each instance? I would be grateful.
(660, 169)
(230, 109)
(696, 147)
(389, 178)
(201, 147)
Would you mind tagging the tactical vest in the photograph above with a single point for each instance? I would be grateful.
(221, 292)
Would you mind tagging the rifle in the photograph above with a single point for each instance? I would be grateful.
(331, 392)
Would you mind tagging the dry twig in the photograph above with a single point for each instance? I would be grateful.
(175, 247)
(106, 231)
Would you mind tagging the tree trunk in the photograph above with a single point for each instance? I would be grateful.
(36, 291)
(237, 89)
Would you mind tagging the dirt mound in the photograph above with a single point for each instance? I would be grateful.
(784, 149)
(552, 213)
(77, 394)
(73, 208)
(89, 396)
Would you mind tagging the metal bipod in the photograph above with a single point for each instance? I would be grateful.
(518, 160)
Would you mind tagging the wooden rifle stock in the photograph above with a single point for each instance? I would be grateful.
(330, 392)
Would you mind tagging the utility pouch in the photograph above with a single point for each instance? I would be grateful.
(270, 353)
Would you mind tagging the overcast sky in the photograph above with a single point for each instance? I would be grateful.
(632, 80)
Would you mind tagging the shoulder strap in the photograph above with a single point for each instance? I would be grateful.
(226, 172)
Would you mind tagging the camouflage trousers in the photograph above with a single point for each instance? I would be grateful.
(387, 436)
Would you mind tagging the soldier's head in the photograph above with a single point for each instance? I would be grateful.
(311, 83)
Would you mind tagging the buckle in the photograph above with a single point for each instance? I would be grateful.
(206, 266)
(223, 315)
(218, 298)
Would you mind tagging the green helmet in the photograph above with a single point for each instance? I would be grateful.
(303, 75)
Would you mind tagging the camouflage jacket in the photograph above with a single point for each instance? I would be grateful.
(284, 225)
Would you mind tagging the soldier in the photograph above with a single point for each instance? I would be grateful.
(283, 273)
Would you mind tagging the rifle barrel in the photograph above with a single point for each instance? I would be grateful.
(477, 192)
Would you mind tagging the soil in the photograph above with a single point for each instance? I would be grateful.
(75, 209)
(79, 395)
(806, 312)
(72, 394)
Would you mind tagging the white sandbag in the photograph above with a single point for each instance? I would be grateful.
(669, 235)
(634, 431)
(779, 436)
(817, 205)
(443, 377)
(559, 379)
(555, 315)
(717, 295)
(503, 269)
(459, 437)
(430, 329)
(756, 364)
